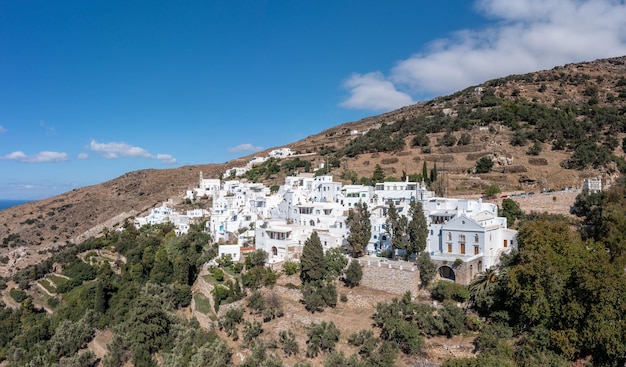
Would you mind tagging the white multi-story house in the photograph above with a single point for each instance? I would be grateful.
(208, 187)
(281, 240)
(326, 190)
(466, 237)
(401, 193)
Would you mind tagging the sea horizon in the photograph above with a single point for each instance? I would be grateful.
(7, 203)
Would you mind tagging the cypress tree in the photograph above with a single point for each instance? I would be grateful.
(418, 229)
(312, 260)
(354, 274)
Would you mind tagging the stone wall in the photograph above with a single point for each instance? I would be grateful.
(463, 272)
(395, 277)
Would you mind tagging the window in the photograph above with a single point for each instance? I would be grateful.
(449, 247)
(505, 244)
(449, 236)
(476, 238)
(462, 248)
(476, 249)
(461, 238)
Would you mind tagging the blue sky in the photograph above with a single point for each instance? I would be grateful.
(90, 90)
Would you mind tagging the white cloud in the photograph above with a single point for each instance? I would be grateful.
(525, 36)
(372, 91)
(117, 150)
(41, 157)
(245, 148)
(2, 129)
(166, 158)
(82, 156)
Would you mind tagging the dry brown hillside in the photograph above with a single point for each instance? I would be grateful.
(28, 230)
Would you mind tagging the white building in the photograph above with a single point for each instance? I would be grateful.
(233, 250)
(280, 153)
(206, 188)
(164, 214)
(468, 233)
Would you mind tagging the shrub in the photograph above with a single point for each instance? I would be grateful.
(218, 274)
(291, 267)
(229, 321)
(288, 340)
(17, 294)
(445, 290)
(484, 165)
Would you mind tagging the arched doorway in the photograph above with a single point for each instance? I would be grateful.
(446, 272)
(274, 251)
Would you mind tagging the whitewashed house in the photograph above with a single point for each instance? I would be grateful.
(233, 250)
(326, 190)
(207, 187)
(353, 194)
(280, 153)
(401, 193)
(466, 237)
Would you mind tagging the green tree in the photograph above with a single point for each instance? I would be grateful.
(163, 269)
(482, 290)
(354, 274)
(396, 226)
(312, 260)
(417, 229)
(322, 337)
(538, 282)
(378, 175)
(433, 173)
(427, 268)
(256, 258)
(492, 190)
(335, 261)
(510, 210)
(358, 222)
(484, 165)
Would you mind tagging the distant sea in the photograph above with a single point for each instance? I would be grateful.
(4, 204)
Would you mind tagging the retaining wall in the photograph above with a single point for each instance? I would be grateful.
(395, 277)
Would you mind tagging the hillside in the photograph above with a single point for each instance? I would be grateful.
(545, 130)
